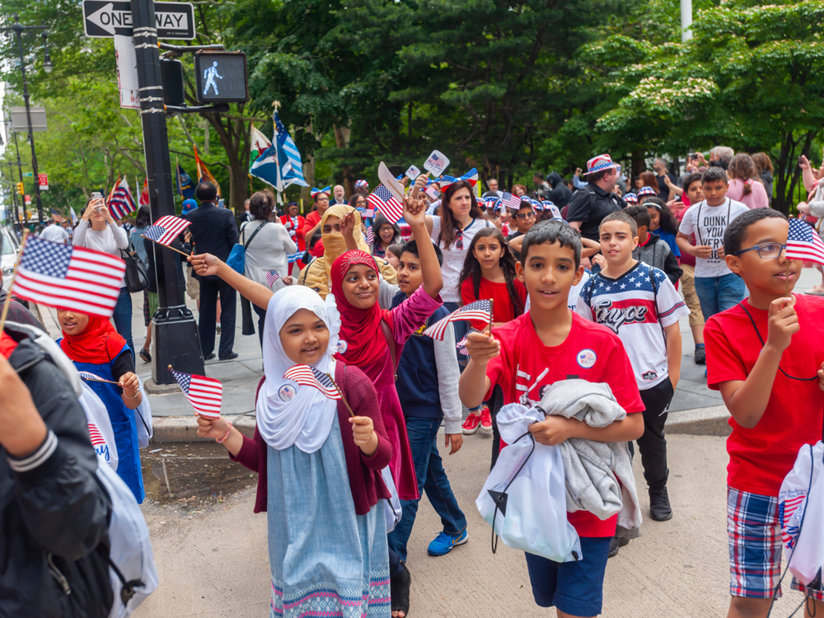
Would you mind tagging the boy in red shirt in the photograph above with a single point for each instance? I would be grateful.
(528, 354)
(771, 378)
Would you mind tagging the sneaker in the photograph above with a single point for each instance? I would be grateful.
(700, 354)
(443, 543)
(471, 424)
(659, 505)
(486, 420)
(615, 543)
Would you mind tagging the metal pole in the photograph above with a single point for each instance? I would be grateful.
(22, 197)
(175, 341)
(686, 20)
(18, 29)
(15, 220)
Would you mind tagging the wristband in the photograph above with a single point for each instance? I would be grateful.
(228, 431)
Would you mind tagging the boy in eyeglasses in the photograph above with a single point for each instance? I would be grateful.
(716, 286)
(765, 357)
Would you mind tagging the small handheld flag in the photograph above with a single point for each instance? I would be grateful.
(205, 394)
(309, 376)
(91, 377)
(272, 277)
(804, 243)
(511, 201)
(479, 310)
(370, 236)
(67, 277)
(166, 229)
(382, 199)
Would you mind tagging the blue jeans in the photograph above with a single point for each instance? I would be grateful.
(719, 293)
(122, 317)
(423, 442)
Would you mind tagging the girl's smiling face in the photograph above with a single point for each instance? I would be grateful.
(360, 287)
(71, 322)
(304, 337)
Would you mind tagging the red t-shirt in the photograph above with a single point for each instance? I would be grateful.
(502, 308)
(590, 352)
(761, 457)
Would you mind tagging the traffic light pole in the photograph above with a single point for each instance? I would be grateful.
(22, 197)
(175, 341)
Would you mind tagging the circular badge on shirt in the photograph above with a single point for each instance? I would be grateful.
(341, 347)
(286, 392)
(586, 358)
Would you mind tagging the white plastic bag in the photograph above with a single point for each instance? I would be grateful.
(100, 426)
(391, 506)
(801, 512)
(532, 516)
(131, 547)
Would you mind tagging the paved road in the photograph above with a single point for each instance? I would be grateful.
(213, 560)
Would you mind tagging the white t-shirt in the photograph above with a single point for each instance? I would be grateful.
(632, 308)
(453, 258)
(710, 231)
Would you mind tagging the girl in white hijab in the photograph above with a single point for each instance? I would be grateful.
(327, 541)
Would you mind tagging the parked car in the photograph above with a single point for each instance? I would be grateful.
(8, 254)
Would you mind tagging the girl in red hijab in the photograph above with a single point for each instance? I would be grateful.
(95, 347)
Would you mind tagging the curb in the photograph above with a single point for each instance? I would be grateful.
(711, 421)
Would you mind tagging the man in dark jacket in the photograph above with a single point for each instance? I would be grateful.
(53, 512)
(560, 194)
(596, 200)
(214, 231)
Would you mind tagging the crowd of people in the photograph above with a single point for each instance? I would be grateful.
(586, 278)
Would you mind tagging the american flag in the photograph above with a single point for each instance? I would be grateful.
(382, 199)
(511, 201)
(205, 394)
(370, 236)
(66, 277)
(309, 376)
(166, 229)
(88, 375)
(804, 243)
(479, 310)
(95, 435)
(121, 202)
(272, 277)
(786, 510)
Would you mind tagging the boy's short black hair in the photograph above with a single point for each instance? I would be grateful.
(640, 215)
(621, 215)
(737, 229)
(714, 173)
(689, 179)
(552, 232)
(412, 247)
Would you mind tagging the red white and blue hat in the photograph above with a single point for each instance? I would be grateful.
(631, 198)
(600, 163)
(361, 185)
(536, 205)
(646, 191)
(315, 191)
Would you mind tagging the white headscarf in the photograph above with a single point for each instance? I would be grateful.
(288, 413)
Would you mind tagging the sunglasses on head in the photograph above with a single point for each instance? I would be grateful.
(459, 241)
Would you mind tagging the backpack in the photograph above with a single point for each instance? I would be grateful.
(129, 551)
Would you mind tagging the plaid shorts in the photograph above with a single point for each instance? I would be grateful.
(754, 536)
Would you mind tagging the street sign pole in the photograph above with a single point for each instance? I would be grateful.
(175, 341)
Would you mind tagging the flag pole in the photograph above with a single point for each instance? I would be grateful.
(491, 311)
(342, 397)
(7, 302)
(167, 246)
(100, 380)
(279, 188)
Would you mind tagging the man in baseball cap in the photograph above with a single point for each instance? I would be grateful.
(596, 200)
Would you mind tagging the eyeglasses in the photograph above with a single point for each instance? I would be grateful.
(766, 250)
(525, 215)
(459, 241)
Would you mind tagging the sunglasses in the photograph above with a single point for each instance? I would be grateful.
(459, 241)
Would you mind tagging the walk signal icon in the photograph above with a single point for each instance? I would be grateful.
(221, 77)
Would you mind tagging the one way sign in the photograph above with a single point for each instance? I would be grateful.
(175, 20)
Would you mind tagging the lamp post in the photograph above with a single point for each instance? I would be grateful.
(18, 30)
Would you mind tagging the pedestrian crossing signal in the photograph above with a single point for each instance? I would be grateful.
(20, 189)
(221, 77)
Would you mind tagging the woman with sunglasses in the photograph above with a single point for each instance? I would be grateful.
(461, 218)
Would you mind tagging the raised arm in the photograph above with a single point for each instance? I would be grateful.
(414, 211)
(207, 264)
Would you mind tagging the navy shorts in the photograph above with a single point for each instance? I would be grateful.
(575, 588)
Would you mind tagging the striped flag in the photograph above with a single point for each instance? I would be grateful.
(293, 257)
(166, 229)
(205, 394)
(479, 310)
(309, 376)
(370, 236)
(92, 377)
(96, 436)
(382, 199)
(67, 277)
(804, 243)
(511, 201)
(786, 512)
(121, 202)
(272, 277)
